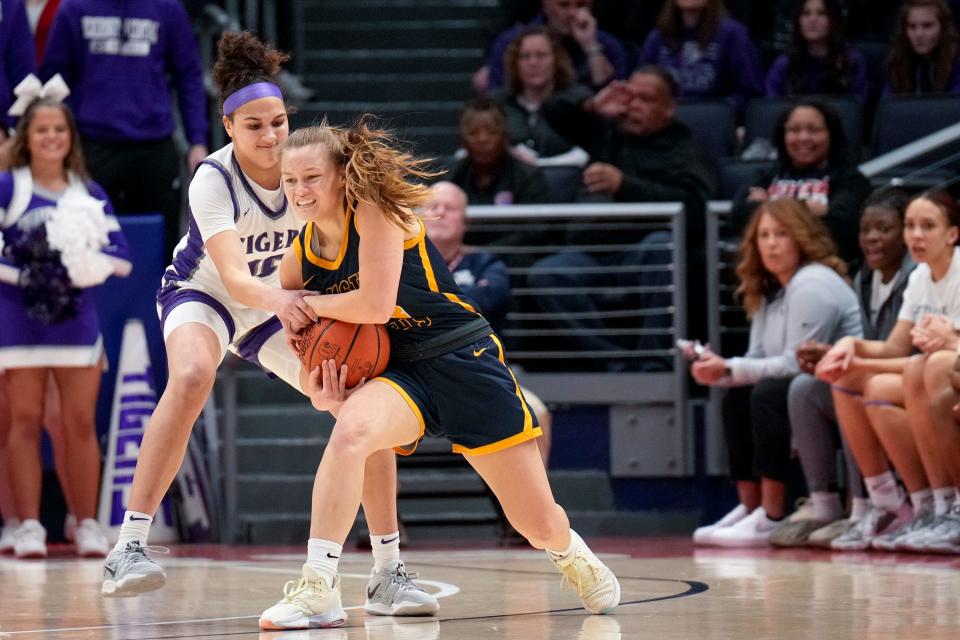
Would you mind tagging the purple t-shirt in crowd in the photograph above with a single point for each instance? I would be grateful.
(814, 78)
(116, 56)
(727, 67)
(612, 49)
(16, 53)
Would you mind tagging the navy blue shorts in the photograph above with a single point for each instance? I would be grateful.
(469, 396)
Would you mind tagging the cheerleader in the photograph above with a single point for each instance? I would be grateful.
(60, 239)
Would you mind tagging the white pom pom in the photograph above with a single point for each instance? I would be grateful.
(78, 230)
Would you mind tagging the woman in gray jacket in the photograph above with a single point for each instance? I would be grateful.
(793, 287)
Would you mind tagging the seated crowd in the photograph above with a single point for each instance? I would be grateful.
(853, 298)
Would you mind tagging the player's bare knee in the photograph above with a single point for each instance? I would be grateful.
(351, 436)
(192, 379)
(913, 373)
(873, 390)
(937, 370)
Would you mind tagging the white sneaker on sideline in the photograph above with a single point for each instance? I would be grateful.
(877, 522)
(752, 531)
(30, 540)
(703, 535)
(8, 535)
(307, 603)
(91, 543)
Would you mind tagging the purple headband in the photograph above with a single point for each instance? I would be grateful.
(250, 93)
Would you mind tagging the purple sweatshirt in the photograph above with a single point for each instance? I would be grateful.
(728, 67)
(923, 80)
(814, 79)
(612, 50)
(16, 53)
(116, 55)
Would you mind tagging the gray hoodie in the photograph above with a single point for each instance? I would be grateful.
(817, 304)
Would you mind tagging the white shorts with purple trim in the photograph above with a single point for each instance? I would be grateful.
(252, 334)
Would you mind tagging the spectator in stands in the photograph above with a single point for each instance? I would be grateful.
(880, 396)
(538, 70)
(814, 166)
(879, 285)
(597, 56)
(481, 276)
(793, 288)
(40, 13)
(818, 60)
(489, 173)
(37, 341)
(710, 54)
(924, 59)
(16, 58)
(639, 153)
(117, 59)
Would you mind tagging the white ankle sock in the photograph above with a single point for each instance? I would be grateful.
(323, 557)
(385, 548)
(943, 499)
(884, 491)
(136, 526)
(826, 506)
(921, 499)
(11, 523)
(575, 540)
(859, 508)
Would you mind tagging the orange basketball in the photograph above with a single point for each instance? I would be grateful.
(364, 348)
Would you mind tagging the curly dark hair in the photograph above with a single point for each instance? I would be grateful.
(838, 52)
(243, 59)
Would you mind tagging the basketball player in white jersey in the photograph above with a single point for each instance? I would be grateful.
(222, 292)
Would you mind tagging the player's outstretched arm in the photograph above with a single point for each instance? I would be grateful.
(225, 249)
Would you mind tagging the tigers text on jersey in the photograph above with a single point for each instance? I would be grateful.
(428, 300)
(223, 198)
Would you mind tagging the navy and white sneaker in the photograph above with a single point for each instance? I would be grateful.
(129, 571)
(392, 592)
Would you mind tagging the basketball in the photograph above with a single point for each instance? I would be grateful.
(364, 348)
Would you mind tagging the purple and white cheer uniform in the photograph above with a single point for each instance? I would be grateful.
(24, 341)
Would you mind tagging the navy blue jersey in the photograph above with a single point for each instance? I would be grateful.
(428, 300)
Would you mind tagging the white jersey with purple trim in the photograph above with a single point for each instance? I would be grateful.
(222, 198)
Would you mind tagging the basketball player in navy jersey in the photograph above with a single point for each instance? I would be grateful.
(447, 374)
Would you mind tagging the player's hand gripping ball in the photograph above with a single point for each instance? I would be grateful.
(364, 348)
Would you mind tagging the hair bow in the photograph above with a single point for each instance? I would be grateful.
(30, 89)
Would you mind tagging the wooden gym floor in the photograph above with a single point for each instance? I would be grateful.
(670, 591)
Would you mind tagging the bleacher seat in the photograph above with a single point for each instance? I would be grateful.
(713, 124)
(734, 173)
(900, 120)
(875, 54)
(762, 114)
(563, 182)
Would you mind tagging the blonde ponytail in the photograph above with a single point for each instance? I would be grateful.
(375, 171)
